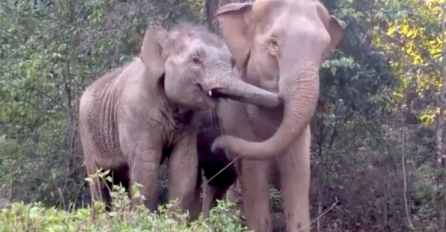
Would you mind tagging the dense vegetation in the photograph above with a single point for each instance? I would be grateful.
(33, 217)
(378, 155)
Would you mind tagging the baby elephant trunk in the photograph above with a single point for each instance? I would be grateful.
(236, 89)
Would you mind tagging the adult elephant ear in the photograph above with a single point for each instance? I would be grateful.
(234, 20)
(152, 50)
(335, 28)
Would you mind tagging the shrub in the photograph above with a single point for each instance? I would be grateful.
(34, 217)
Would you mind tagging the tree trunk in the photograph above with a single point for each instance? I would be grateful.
(210, 7)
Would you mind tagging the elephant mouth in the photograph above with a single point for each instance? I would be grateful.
(211, 95)
(215, 94)
(219, 93)
(222, 93)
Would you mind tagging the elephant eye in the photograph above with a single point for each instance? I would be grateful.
(196, 60)
(273, 45)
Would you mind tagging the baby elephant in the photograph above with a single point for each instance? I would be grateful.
(134, 117)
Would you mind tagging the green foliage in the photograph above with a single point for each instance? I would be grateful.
(409, 33)
(369, 149)
(34, 217)
(413, 39)
(167, 217)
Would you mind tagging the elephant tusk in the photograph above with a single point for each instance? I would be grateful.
(210, 93)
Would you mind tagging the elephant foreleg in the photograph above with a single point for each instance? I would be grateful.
(255, 190)
(255, 174)
(144, 171)
(183, 171)
(294, 168)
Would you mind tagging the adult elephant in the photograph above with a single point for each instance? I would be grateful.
(131, 119)
(279, 45)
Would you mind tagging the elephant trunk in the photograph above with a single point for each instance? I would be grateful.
(239, 90)
(232, 87)
(299, 89)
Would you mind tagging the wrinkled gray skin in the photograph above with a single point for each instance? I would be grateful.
(280, 46)
(131, 119)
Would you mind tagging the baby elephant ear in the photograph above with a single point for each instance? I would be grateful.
(151, 50)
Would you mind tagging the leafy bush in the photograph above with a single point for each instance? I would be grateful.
(34, 217)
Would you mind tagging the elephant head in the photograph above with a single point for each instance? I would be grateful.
(283, 42)
(194, 68)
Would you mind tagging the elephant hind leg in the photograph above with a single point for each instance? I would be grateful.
(100, 191)
(211, 195)
(101, 188)
(121, 176)
(220, 174)
(208, 199)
